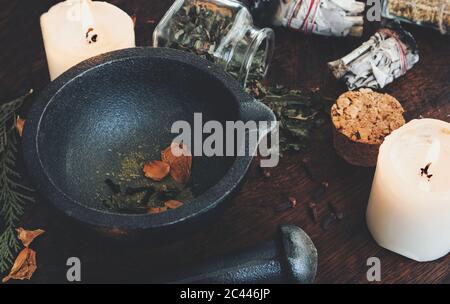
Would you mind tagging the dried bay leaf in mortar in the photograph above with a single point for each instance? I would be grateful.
(27, 236)
(155, 210)
(156, 170)
(24, 266)
(179, 158)
(173, 204)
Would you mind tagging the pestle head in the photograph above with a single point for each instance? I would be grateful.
(300, 254)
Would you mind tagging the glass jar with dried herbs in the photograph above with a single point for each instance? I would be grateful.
(430, 13)
(221, 31)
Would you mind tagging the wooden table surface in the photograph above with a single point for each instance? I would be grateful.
(300, 62)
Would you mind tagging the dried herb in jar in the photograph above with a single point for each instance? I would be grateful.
(220, 31)
(199, 28)
(433, 13)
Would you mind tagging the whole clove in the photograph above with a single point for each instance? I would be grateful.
(313, 211)
(336, 211)
(320, 191)
(265, 172)
(293, 201)
(328, 221)
(290, 203)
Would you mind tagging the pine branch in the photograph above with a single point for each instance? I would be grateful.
(13, 195)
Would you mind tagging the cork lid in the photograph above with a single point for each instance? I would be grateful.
(366, 116)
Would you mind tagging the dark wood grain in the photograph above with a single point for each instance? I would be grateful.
(299, 63)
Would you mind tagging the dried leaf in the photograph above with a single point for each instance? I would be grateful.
(173, 204)
(155, 210)
(27, 236)
(20, 123)
(24, 266)
(180, 166)
(156, 170)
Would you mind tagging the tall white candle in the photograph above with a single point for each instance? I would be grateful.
(409, 206)
(75, 30)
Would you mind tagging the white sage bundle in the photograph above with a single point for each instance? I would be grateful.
(387, 55)
(322, 17)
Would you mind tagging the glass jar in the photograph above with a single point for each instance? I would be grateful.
(429, 13)
(221, 31)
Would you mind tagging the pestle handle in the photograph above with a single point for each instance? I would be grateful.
(290, 257)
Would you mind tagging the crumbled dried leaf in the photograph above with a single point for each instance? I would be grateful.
(180, 166)
(155, 210)
(24, 266)
(20, 123)
(156, 170)
(27, 236)
(173, 204)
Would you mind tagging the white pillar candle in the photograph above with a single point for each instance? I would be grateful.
(75, 30)
(409, 206)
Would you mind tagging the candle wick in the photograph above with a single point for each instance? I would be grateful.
(91, 36)
(424, 172)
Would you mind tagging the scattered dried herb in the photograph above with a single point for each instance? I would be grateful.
(150, 195)
(131, 167)
(115, 188)
(123, 203)
(156, 170)
(135, 190)
(298, 112)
